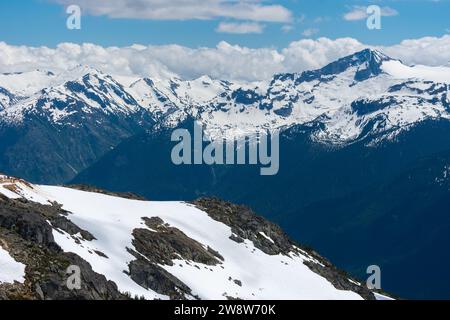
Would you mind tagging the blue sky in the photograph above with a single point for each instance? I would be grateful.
(43, 22)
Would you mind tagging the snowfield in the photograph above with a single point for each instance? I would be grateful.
(10, 270)
(400, 71)
(111, 220)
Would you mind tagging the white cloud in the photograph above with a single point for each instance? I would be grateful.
(360, 13)
(252, 10)
(431, 51)
(240, 28)
(225, 61)
(310, 32)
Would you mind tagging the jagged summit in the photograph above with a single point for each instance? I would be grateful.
(367, 63)
(360, 58)
(369, 54)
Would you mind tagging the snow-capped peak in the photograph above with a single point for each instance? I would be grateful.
(27, 83)
(372, 55)
(365, 64)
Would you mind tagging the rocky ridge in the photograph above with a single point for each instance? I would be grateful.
(30, 231)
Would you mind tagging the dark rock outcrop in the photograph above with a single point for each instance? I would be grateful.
(151, 276)
(26, 234)
(161, 246)
(168, 244)
(245, 224)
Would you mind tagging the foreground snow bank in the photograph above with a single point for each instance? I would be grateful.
(112, 220)
(242, 270)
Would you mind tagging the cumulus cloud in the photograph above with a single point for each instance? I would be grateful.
(252, 10)
(240, 28)
(360, 13)
(225, 61)
(431, 51)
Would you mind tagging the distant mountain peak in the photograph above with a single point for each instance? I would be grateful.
(368, 55)
(367, 63)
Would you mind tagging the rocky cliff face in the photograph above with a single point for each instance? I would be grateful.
(127, 248)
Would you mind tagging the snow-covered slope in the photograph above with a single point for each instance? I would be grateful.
(204, 257)
(398, 70)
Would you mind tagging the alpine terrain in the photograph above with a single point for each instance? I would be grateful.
(127, 247)
(364, 156)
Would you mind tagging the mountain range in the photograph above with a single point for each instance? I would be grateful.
(55, 126)
(364, 152)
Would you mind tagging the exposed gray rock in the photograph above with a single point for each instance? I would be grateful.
(168, 244)
(161, 246)
(151, 276)
(246, 225)
(26, 219)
